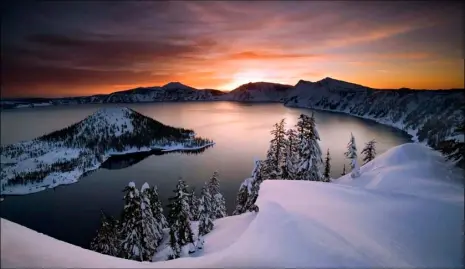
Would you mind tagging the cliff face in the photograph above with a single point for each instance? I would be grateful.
(429, 116)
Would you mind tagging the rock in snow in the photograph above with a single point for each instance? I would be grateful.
(405, 210)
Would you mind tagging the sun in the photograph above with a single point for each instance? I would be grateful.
(244, 77)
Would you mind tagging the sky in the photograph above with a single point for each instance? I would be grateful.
(72, 48)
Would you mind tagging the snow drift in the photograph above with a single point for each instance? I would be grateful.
(405, 210)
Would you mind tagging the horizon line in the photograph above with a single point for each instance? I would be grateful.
(226, 91)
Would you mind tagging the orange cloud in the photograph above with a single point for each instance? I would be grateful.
(262, 55)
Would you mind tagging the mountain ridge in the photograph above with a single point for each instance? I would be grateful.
(429, 116)
(176, 84)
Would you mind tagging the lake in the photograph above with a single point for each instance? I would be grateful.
(241, 132)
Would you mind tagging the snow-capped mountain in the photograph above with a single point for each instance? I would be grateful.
(173, 91)
(63, 156)
(258, 92)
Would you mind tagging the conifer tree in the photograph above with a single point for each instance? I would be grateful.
(326, 174)
(131, 232)
(205, 220)
(369, 151)
(290, 155)
(106, 241)
(241, 199)
(351, 154)
(248, 192)
(174, 250)
(275, 155)
(157, 208)
(218, 202)
(309, 160)
(152, 229)
(343, 170)
(180, 225)
(194, 206)
(257, 179)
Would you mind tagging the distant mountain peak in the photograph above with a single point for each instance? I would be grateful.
(330, 79)
(176, 85)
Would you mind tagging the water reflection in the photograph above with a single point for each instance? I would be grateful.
(116, 162)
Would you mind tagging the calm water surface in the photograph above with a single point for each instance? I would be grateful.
(241, 133)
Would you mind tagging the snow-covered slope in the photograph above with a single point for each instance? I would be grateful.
(405, 211)
(63, 156)
(429, 116)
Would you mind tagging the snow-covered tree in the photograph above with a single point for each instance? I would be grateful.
(131, 228)
(218, 202)
(106, 241)
(205, 220)
(250, 205)
(327, 171)
(309, 160)
(241, 199)
(152, 230)
(174, 248)
(248, 191)
(351, 154)
(290, 155)
(275, 155)
(194, 206)
(369, 151)
(180, 225)
(157, 208)
(343, 170)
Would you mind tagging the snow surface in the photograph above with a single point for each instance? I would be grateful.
(405, 210)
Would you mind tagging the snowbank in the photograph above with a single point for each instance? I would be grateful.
(406, 210)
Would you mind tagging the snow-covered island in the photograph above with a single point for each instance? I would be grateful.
(405, 210)
(63, 156)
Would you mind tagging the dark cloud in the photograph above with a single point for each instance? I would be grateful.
(106, 53)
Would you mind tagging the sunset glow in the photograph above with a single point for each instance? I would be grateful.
(81, 48)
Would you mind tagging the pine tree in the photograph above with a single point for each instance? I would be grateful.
(193, 206)
(180, 225)
(351, 154)
(106, 241)
(326, 174)
(343, 170)
(218, 202)
(290, 155)
(131, 225)
(309, 160)
(152, 229)
(275, 155)
(205, 220)
(369, 151)
(248, 192)
(157, 208)
(257, 179)
(174, 246)
(241, 199)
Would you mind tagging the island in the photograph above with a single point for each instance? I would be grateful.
(66, 155)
